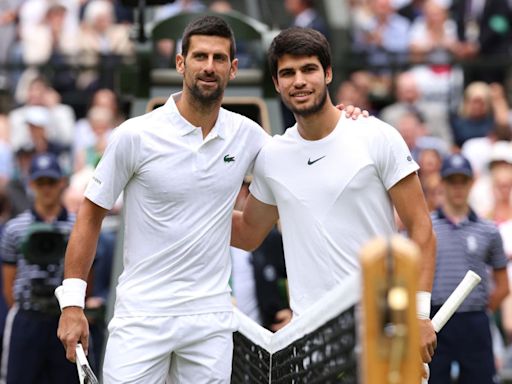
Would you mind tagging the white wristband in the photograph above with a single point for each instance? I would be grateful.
(73, 293)
(423, 304)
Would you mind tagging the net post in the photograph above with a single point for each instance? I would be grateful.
(391, 350)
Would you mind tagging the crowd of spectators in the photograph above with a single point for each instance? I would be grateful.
(439, 71)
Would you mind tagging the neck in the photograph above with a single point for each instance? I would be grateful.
(48, 212)
(320, 124)
(456, 213)
(197, 113)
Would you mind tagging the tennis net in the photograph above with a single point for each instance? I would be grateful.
(318, 346)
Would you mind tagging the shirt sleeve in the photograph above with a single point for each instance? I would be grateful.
(8, 249)
(260, 187)
(116, 167)
(391, 155)
(497, 258)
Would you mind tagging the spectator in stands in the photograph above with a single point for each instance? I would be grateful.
(383, 39)
(18, 190)
(433, 36)
(349, 93)
(102, 42)
(6, 154)
(105, 98)
(32, 251)
(432, 189)
(89, 154)
(33, 12)
(167, 47)
(483, 111)
(484, 29)
(61, 117)
(466, 242)
(8, 16)
(123, 14)
(306, 16)
(412, 129)
(409, 99)
(482, 194)
(430, 161)
(412, 9)
(478, 150)
(49, 43)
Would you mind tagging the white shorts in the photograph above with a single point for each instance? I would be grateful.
(192, 349)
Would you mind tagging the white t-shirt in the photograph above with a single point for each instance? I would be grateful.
(332, 198)
(179, 192)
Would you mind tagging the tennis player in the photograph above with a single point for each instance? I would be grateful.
(180, 167)
(332, 182)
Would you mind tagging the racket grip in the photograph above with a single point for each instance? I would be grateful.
(456, 298)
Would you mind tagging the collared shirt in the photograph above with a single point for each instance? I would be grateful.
(473, 244)
(179, 193)
(31, 277)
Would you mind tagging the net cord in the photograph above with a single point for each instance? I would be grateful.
(339, 299)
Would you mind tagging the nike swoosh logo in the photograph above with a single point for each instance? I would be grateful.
(314, 161)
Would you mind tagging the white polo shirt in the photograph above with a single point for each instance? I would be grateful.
(179, 193)
(332, 198)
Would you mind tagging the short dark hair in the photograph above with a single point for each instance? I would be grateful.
(297, 41)
(208, 25)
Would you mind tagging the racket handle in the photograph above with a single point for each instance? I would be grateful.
(454, 301)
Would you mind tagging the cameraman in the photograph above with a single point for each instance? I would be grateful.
(32, 250)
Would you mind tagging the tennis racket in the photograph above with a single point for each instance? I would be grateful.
(453, 302)
(85, 373)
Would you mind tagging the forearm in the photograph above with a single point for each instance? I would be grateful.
(250, 227)
(240, 233)
(81, 247)
(500, 290)
(425, 238)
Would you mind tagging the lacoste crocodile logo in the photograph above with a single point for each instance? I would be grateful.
(229, 159)
(314, 161)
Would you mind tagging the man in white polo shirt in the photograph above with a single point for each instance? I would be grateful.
(180, 167)
(332, 182)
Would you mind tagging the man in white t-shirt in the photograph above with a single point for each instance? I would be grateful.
(332, 183)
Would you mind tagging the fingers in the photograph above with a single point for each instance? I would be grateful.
(73, 328)
(70, 347)
(84, 340)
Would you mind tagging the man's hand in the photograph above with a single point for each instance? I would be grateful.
(428, 340)
(352, 112)
(282, 318)
(73, 328)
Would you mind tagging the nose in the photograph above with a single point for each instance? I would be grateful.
(299, 81)
(209, 65)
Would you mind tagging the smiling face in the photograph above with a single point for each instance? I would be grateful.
(207, 67)
(302, 83)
